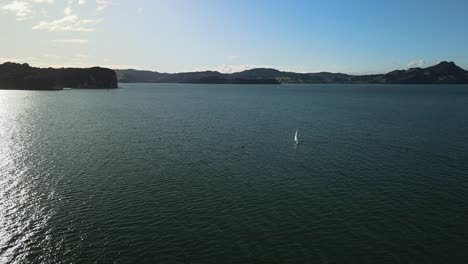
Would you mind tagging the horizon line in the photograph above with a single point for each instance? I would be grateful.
(228, 73)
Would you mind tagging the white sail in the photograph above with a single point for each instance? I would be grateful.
(295, 137)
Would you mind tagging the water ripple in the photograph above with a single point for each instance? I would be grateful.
(174, 174)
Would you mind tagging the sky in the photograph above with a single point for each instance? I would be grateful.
(359, 37)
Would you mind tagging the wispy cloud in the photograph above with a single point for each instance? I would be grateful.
(417, 63)
(102, 4)
(70, 41)
(43, 1)
(233, 57)
(70, 23)
(81, 2)
(67, 11)
(21, 9)
(139, 11)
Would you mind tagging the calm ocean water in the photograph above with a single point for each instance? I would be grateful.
(171, 173)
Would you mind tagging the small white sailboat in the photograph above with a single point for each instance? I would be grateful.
(296, 140)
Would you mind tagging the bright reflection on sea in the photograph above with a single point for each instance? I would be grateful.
(22, 214)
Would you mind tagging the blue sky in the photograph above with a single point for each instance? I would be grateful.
(185, 35)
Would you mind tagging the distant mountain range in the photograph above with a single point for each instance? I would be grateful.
(23, 76)
(442, 73)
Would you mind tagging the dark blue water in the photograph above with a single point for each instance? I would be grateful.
(169, 173)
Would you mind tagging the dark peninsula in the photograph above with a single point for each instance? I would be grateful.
(24, 77)
(442, 73)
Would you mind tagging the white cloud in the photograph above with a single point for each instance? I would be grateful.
(416, 63)
(24, 9)
(68, 23)
(233, 57)
(70, 41)
(139, 11)
(102, 4)
(21, 9)
(42, 1)
(67, 11)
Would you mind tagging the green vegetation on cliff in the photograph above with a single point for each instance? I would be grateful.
(24, 77)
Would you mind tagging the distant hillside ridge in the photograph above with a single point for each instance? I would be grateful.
(442, 73)
(24, 77)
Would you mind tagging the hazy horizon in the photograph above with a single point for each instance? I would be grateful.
(299, 36)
